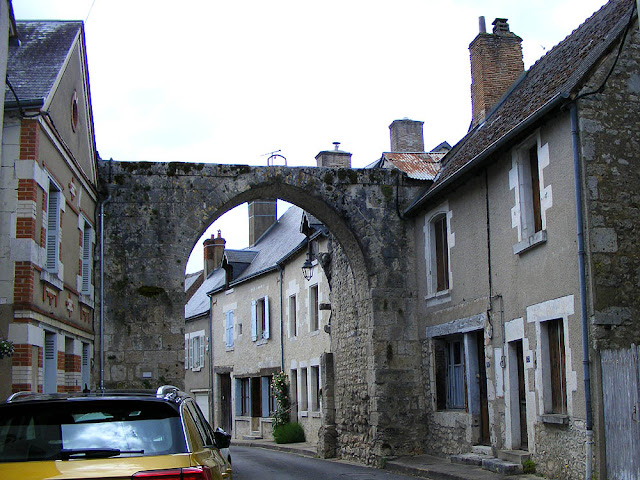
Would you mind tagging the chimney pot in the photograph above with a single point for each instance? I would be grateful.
(336, 146)
(406, 136)
(483, 25)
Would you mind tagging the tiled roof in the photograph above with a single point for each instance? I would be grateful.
(200, 303)
(35, 63)
(553, 78)
(420, 166)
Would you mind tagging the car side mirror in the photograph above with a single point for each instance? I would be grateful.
(221, 439)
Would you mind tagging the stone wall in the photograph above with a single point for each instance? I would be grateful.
(610, 141)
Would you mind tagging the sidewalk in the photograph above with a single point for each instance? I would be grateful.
(425, 466)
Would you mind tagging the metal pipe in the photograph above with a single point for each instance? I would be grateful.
(573, 109)
(101, 383)
(281, 268)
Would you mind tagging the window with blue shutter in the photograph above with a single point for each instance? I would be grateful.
(254, 321)
(87, 235)
(264, 390)
(53, 224)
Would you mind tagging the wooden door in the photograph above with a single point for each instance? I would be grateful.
(524, 442)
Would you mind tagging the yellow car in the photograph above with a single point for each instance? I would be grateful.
(116, 435)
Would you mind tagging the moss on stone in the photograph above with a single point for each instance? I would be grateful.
(150, 290)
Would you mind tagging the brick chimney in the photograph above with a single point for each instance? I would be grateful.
(334, 158)
(496, 62)
(406, 136)
(262, 214)
(213, 253)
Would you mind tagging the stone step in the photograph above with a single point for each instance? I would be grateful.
(468, 459)
(482, 450)
(253, 436)
(514, 456)
(501, 466)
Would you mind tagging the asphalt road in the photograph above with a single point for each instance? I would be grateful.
(251, 463)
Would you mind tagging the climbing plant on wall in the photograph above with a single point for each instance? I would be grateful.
(280, 386)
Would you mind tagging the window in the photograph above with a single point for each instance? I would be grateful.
(229, 329)
(532, 198)
(313, 308)
(554, 366)
(272, 396)
(50, 362)
(304, 401)
(87, 241)
(194, 346)
(293, 321)
(450, 382)
(53, 224)
(260, 319)
(293, 392)
(315, 389)
(438, 242)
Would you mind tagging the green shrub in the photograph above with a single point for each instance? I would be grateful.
(528, 466)
(289, 433)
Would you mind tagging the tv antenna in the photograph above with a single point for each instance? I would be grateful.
(274, 156)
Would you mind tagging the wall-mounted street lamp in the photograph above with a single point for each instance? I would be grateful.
(307, 268)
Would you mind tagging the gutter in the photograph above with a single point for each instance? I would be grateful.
(573, 109)
(555, 102)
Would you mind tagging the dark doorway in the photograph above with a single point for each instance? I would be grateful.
(484, 401)
(225, 402)
(256, 403)
(522, 399)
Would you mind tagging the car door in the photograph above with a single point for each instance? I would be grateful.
(202, 443)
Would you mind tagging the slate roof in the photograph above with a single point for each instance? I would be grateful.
(547, 84)
(35, 63)
(278, 243)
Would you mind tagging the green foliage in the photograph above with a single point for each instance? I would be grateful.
(291, 432)
(6, 348)
(528, 466)
(280, 386)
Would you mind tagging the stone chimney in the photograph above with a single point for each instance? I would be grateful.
(496, 63)
(334, 158)
(406, 136)
(262, 214)
(213, 253)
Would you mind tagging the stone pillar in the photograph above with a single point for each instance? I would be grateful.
(327, 435)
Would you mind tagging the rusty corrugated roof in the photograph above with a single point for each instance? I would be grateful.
(420, 166)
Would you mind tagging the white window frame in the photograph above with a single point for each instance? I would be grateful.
(260, 312)
(314, 388)
(314, 308)
(430, 254)
(194, 344)
(293, 315)
(522, 213)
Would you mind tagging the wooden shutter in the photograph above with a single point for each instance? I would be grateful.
(86, 258)
(265, 396)
(535, 188)
(557, 366)
(238, 396)
(201, 352)
(441, 253)
(266, 332)
(254, 321)
(53, 221)
(186, 351)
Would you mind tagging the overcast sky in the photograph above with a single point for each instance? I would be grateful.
(230, 81)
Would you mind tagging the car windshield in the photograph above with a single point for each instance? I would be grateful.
(88, 429)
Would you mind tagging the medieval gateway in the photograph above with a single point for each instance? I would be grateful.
(471, 302)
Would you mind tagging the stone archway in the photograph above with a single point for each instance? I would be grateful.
(155, 212)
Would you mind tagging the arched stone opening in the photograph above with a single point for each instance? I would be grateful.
(156, 211)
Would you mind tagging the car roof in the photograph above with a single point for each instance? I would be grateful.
(165, 393)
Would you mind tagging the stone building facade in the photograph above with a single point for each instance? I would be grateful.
(48, 192)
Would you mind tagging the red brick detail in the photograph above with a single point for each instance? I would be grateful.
(45, 201)
(72, 363)
(27, 189)
(61, 360)
(43, 237)
(22, 355)
(26, 228)
(40, 357)
(20, 387)
(29, 139)
(23, 287)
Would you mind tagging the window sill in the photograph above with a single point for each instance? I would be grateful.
(438, 297)
(315, 414)
(196, 369)
(52, 279)
(304, 413)
(527, 244)
(228, 349)
(555, 418)
(87, 299)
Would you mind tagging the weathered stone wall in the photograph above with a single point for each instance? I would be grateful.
(610, 141)
(156, 212)
(560, 451)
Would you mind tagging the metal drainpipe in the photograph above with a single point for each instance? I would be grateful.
(102, 290)
(583, 289)
(281, 268)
